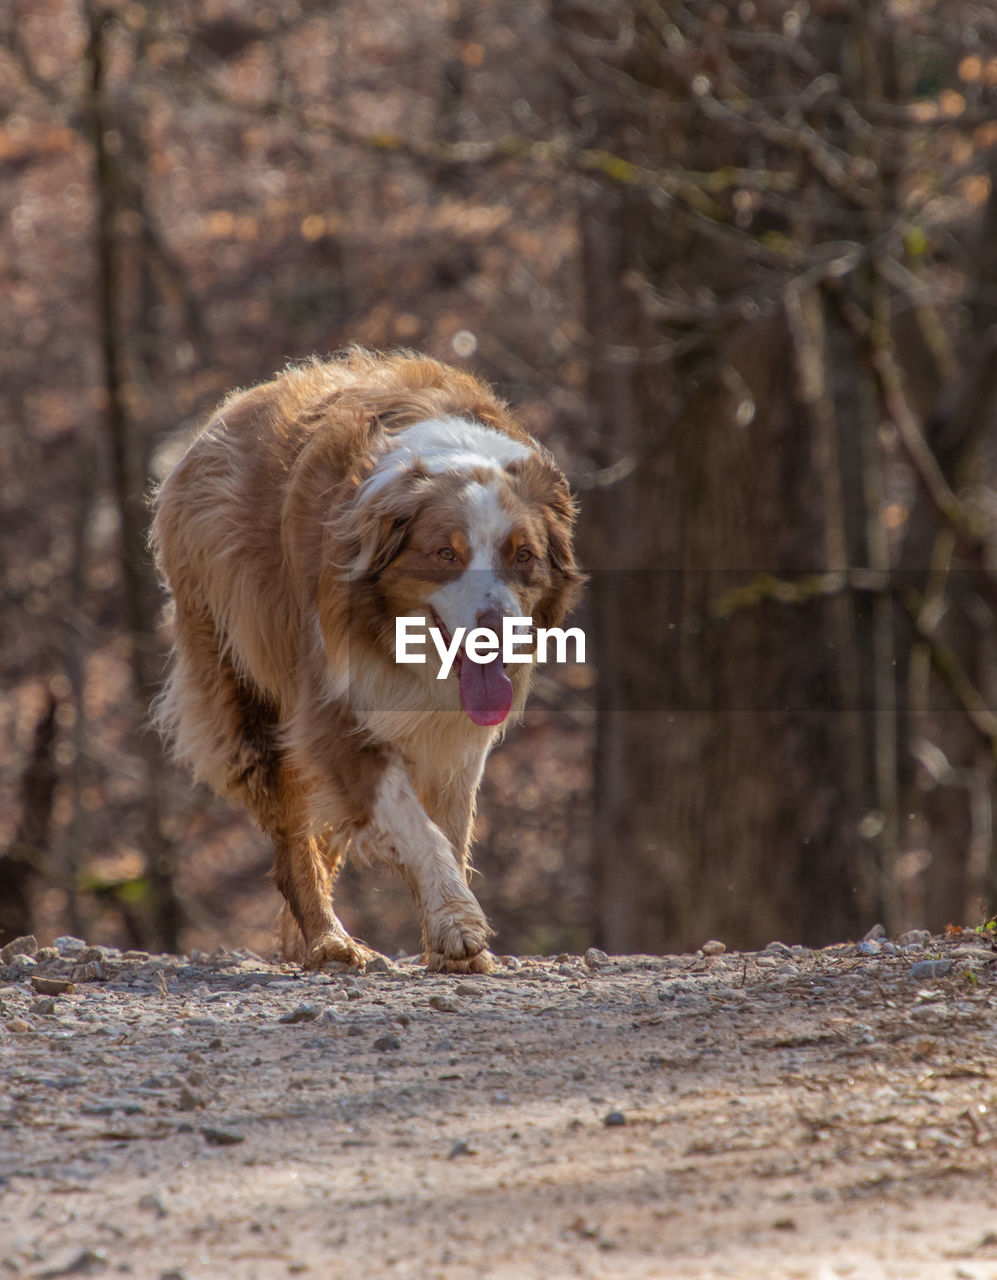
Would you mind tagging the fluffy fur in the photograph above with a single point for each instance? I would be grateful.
(311, 512)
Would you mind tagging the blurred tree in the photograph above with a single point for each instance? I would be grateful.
(757, 296)
(118, 179)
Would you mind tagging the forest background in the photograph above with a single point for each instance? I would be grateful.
(735, 263)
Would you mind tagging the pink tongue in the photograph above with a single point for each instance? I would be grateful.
(485, 690)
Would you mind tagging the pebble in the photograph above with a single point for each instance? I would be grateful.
(460, 1148)
(876, 934)
(221, 1137)
(387, 1044)
(53, 986)
(443, 1004)
(303, 1013)
(870, 947)
(24, 946)
(713, 948)
(779, 949)
(595, 958)
(153, 1204)
(920, 936)
(93, 953)
(84, 1264)
(614, 1119)
(67, 945)
(22, 961)
(929, 969)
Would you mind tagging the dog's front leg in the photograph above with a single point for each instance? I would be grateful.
(400, 833)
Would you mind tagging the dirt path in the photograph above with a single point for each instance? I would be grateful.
(790, 1113)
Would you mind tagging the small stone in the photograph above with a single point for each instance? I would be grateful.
(18, 1025)
(92, 971)
(67, 945)
(460, 1148)
(24, 946)
(387, 1044)
(443, 1004)
(876, 934)
(108, 1106)
(23, 962)
(379, 964)
(188, 1099)
(221, 1137)
(329, 1018)
(92, 953)
(614, 1119)
(45, 1007)
(778, 949)
(929, 969)
(84, 1264)
(303, 1013)
(714, 948)
(595, 959)
(467, 989)
(46, 955)
(917, 936)
(153, 1204)
(354, 1029)
(512, 962)
(870, 947)
(53, 986)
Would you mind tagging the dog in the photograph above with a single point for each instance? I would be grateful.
(311, 512)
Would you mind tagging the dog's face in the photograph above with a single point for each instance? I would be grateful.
(473, 529)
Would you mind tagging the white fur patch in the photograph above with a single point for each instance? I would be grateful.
(480, 587)
(444, 444)
(400, 834)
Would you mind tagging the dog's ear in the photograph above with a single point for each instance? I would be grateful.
(545, 486)
(372, 524)
(393, 534)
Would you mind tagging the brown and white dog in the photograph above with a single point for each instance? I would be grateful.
(311, 512)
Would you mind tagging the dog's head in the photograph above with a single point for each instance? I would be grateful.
(465, 525)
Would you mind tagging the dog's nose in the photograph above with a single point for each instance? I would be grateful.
(490, 618)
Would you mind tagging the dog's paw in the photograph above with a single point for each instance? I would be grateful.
(457, 932)
(338, 948)
(483, 962)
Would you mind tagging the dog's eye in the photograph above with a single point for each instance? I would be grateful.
(524, 555)
(448, 554)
